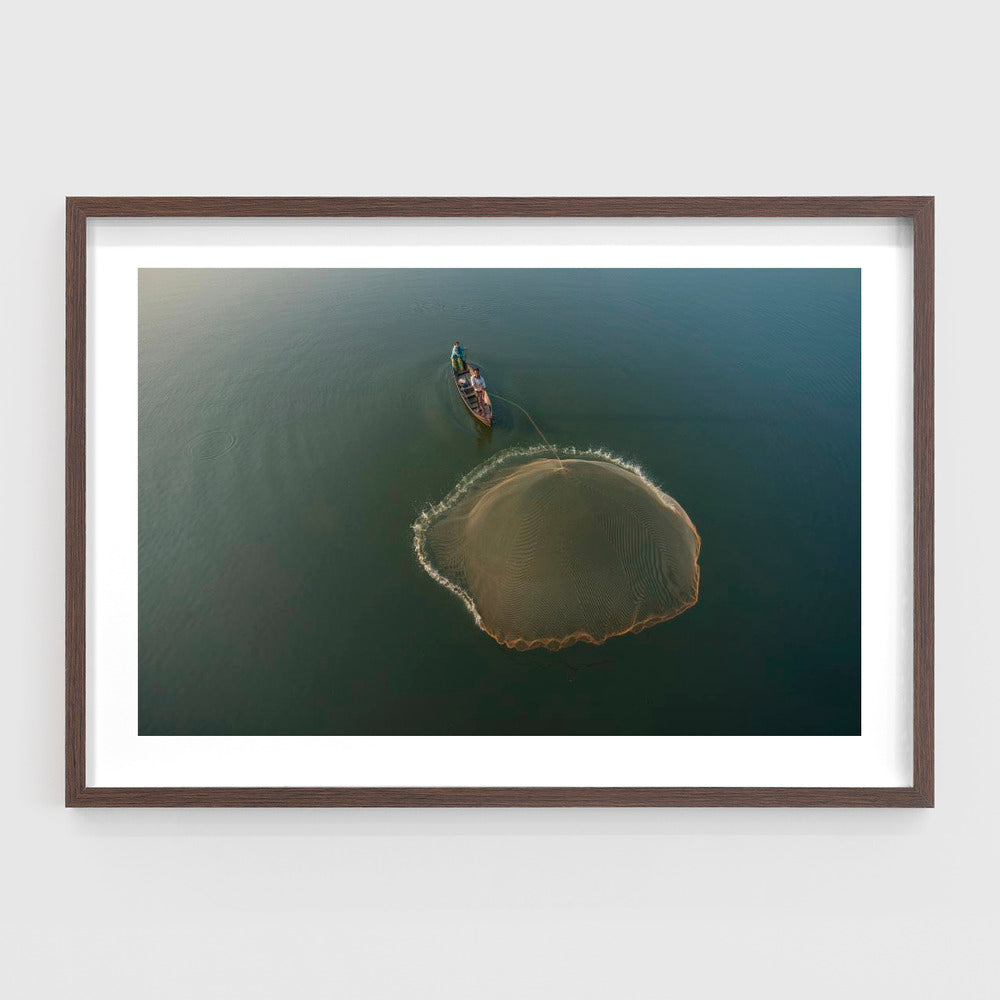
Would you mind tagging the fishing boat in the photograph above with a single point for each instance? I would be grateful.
(463, 382)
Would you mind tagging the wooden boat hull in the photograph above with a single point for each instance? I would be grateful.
(468, 396)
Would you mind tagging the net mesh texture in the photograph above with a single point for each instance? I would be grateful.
(550, 551)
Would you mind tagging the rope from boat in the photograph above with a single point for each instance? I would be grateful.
(533, 424)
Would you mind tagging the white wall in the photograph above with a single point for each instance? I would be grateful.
(518, 98)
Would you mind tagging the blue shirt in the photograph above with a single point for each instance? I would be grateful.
(457, 352)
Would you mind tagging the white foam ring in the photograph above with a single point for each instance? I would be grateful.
(433, 511)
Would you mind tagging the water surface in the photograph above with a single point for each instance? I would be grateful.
(293, 423)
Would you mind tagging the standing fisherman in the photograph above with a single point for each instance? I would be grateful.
(458, 358)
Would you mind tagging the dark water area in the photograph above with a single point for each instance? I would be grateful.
(293, 423)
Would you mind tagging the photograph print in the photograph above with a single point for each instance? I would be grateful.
(499, 502)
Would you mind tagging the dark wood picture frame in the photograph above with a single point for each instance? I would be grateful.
(919, 209)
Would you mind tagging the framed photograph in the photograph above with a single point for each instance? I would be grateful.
(499, 501)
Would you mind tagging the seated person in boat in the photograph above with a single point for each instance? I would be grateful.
(458, 358)
(479, 384)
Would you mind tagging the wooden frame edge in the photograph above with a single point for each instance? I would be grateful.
(918, 208)
(892, 206)
(923, 498)
(423, 797)
(76, 500)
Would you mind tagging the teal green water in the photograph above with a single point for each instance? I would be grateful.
(293, 423)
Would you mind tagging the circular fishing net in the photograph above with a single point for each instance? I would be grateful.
(548, 551)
